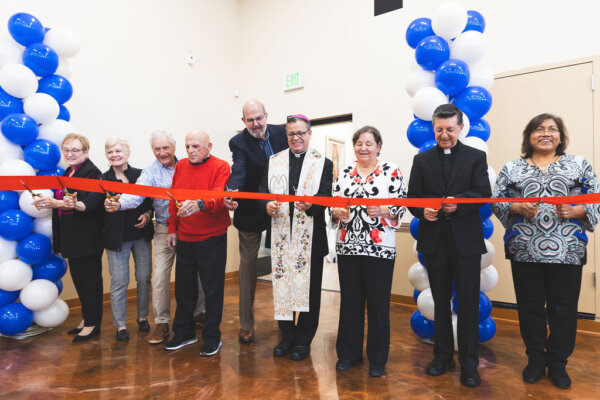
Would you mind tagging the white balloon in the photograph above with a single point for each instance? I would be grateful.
(469, 47)
(14, 275)
(55, 131)
(64, 68)
(419, 79)
(43, 226)
(426, 100)
(18, 80)
(487, 258)
(10, 53)
(491, 176)
(38, 294)
(41, 107)
(9, 150)
(426, 304)
(414, 249)
(52, 316)
(26, 204)
(63, 41)
(481, 75)
(8, 250)
(455, 330)
(417, 276)
(475, 142)
(449, 20)
(15, 168)
(466, 126)
(489, 279)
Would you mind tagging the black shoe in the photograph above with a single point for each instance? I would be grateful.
(559, 377)
(533, 372)
(143, 325)
(284, 347)
(346, 365)
(210, 349)
(178, 342)
(300, 352)
(74, 331)
(437, 367)
(81, 338)
(376, 372)
(470, 378)
(122, 335)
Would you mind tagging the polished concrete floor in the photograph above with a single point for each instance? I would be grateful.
(50, 366)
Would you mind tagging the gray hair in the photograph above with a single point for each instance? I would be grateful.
(113, 141)
(160, 134)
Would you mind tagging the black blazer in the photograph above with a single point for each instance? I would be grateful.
(469, 178)
(249, 164)
(79, 234)
(119, 227)
(319, 239)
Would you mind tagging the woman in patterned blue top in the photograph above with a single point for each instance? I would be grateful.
(546, 244)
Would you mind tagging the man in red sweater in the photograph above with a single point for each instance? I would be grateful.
(198, 232)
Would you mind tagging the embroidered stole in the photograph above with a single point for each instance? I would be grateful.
(291, 245)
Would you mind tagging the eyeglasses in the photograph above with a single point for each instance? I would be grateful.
(299, 134)
(258, 119)
(75, 152)
(540, 130)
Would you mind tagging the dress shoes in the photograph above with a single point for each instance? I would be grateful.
(533, 373)
(559, 377)
(246, 336)
(345, 365)
(81, 338)
(300, 352)
(122, 335)
(437, 367)
(74, 331)
(470, 378)
(143, 325)
(284, 347)
(161, 332)
(376, 371)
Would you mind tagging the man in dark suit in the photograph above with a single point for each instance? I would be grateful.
(298, 237)
(451, 239)
(251, 150)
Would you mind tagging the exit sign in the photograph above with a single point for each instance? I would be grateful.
(294, 80)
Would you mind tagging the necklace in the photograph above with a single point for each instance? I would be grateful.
(546, 167)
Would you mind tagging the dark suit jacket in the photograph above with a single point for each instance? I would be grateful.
(249, 163)
(469, 178)
(319, 239)
(79, 234)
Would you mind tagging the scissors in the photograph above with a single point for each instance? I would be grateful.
(109, 196)
(535, 209)
(65, 190)
(178, 204)
(34, 195)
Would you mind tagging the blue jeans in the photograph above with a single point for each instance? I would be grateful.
(118, 265)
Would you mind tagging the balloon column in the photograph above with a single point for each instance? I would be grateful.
(449, 51)
(34, 86)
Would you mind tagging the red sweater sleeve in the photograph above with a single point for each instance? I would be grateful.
(173, 218)
(222, 173)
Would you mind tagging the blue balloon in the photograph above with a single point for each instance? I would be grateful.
(14, 318)
(56, 171)
(52, 269)
(41, 59)
(431, 52)
(452, 76)
(414, 227)
(20, 129)
(15, 224)
(59, 285)
(64, 113)
(485, 212)
(34, 249)
(419, 132)
(475, 21)
(42, 154)
(9, 105)
(418, 30)
(9, 200)
(26, 29)
(428, 145)
(56, 86)
(454, 303)
(488, 228)
(485, 306)
(487, 329)
(421, 326)
(474, 101)
(421, 258)
(8, 297)
(480, 129)
(416, 294)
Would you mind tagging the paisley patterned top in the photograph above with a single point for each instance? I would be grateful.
(546, 238)
(363, 235)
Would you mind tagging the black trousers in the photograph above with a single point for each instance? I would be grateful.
(206, 258)
(86, 273)
(444, 266)
(303, 331)
(364, 278)
(557, 287)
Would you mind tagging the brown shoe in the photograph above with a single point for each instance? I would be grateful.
(246, 336)
(161, 332)
(200, 320)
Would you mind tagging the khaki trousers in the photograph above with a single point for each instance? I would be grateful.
(249, 245)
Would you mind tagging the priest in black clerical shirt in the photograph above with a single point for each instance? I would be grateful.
(451, 239)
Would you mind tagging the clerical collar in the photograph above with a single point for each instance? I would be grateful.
(298, 155)
(447, 151)
(201, 162)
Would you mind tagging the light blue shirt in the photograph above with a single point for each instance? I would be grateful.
(157, 175)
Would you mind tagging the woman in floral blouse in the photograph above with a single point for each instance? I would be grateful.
(546, 243)
(366, 248)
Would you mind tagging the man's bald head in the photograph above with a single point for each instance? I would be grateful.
(198, 146)
(255, 116)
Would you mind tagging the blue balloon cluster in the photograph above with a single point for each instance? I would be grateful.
(19, 128)
(52, 269)
(41, 59)
(15, 224)
(8, 200)
(42, 154)
(34, 249)
(14, 318)
(421, 326)
(9, 105)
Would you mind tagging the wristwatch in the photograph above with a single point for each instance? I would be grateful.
(201, 204)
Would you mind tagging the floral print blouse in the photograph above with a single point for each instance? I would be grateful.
(363, 235)
(546, 238)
